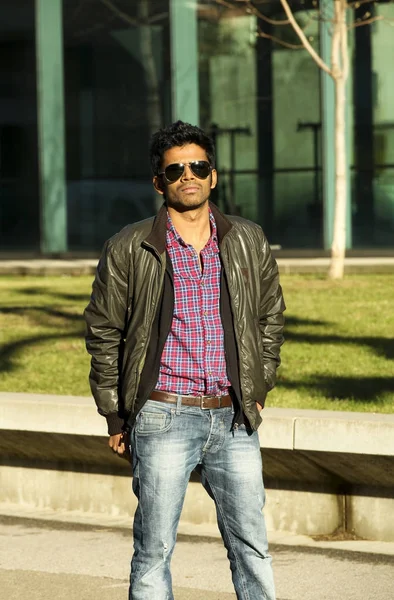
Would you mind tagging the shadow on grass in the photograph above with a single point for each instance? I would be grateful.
(57, 295)
(9, 351)
(40, 316)
(72, 327)
(293, 321)
(44, 310)
(381, 346)
(364, 389)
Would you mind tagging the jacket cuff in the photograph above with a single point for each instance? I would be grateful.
(115, 424)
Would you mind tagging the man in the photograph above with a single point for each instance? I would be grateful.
(185, 325)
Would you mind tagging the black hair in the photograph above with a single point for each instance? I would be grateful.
(178, 134)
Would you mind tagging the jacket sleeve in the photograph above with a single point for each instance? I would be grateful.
(106, 318)
(272, 307)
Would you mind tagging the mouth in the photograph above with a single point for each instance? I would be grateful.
(191, 189)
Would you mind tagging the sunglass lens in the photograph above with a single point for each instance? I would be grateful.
(173, 172)
(200, 168)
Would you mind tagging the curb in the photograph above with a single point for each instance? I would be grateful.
(188, 531)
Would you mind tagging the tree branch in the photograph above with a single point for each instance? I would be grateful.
(304, 40)
(368, 21)
(268, 36)
(125, 17)
(224, 3)
(134, 22)
(159, 17)
(358, 3)
(255, 11)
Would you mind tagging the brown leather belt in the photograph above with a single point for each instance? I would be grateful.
(204, 402)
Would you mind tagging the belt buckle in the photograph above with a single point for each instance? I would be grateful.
(202, 400)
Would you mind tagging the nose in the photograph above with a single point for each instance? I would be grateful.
(187, 173)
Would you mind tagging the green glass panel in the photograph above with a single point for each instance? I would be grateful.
(185, 101)
(49, 40)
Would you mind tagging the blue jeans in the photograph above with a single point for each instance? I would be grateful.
(167, 443)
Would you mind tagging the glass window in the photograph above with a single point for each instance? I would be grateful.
(262, 103)
(297, 188)
(228, 80)
(117, 92)
(383, 122)
(373, 178)
(19, 198)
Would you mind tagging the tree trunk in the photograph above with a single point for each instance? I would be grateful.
(340, 72)
(339, 231)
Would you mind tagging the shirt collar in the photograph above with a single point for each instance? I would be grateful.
(173, 235)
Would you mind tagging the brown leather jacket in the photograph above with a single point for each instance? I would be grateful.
(129, 293)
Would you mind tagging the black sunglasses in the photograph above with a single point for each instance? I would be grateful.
(199, 168)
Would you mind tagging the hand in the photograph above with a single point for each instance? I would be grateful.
(119, 444)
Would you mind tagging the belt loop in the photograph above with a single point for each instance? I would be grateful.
(178, 405)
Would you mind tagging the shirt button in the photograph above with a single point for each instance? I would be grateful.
(205, 313)
(208, 342)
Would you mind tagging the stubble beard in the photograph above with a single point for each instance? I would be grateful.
(184, 205)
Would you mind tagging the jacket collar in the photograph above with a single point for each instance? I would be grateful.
(223, 225)
(157, 236)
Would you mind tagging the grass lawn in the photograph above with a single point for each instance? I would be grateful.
(338, 355)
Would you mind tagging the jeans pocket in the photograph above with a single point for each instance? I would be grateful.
(154, 421)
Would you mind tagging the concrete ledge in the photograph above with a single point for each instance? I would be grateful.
(46, 266)
(289, 429)
(353, 265)
(51, 414)
(357, 433)
(323, 470)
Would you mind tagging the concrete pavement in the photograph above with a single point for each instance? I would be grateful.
(40, 561)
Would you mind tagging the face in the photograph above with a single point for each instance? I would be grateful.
(188, 192)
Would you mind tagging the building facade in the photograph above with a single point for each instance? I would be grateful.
(84, 83)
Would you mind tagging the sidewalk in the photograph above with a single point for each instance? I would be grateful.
(37, 266)
(45, 561)
(49, 519)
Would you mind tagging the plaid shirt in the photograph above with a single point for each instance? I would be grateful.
(193, 360)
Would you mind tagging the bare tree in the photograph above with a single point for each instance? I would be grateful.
(338, 70)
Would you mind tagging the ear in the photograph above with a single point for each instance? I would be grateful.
(158, 184)
(214, 178)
